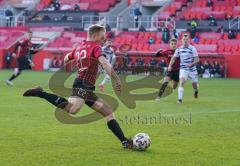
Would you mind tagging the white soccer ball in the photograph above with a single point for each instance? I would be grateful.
(141, 141)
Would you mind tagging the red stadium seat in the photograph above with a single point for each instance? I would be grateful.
(221, 48)
(155, 47)
(214, 41)
(225, 36)
(164, 15)
(210, 35)
(234, 48)
(146, 47)
(206, 48)
(9, 36)
(207, 41)
(84, 4)
(158, 41)
(199, 10)
(227, 48)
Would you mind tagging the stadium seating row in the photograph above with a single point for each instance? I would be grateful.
(8, 37)
(68, 39)
(96, 5)
(209, 41)
(219, 9)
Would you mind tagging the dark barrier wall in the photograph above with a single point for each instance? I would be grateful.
(233, 65)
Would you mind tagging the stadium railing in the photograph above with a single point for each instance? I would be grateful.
(14, 21)
(112, 21)
(235, 22)
(149, 22)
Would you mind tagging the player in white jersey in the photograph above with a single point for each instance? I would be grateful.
(111, 57)
(188, 61)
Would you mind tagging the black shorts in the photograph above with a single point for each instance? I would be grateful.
(174, 75)
(23, 63)
(85, 91)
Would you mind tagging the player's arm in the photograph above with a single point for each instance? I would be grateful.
(196, 58)
(69, 56)
(160, 52)
(30, 61)
(66, 58)
(195, 62)
(110, 71)
(14, 54)
(173, 59)
(35, 50)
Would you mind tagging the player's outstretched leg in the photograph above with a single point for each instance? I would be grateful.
(195, 87)
(57, 101)
(163, 87)
(104, 109)
(16, 73)
(72, 105)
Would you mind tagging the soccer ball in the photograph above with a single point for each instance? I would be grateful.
(141, 141)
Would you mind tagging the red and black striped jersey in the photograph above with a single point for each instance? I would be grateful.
(168, 54)
(23, 47)
(86, 54)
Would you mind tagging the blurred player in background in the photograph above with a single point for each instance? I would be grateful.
(188, 61)
(89, 56)
(21, 53)
(111, 57)
(172, 75)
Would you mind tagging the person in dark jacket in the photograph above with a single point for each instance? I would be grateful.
(231, 34)
(137, 14)
(9, 17)
(166, 35)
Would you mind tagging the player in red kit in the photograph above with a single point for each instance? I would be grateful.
(21, 53)
(88, 56)
(174, 73)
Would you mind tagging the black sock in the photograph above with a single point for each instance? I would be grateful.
(161, 91)
(58, 101)
(116, 129)
(14, 76)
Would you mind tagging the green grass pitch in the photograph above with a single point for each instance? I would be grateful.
(205, 131)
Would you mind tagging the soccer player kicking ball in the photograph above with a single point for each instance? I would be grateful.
(172, 75)
(23, 60)
(111, 57)
(188, 61)
(88, 56)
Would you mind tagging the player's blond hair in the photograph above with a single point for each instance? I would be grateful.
(95, 29)
(173, 40)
